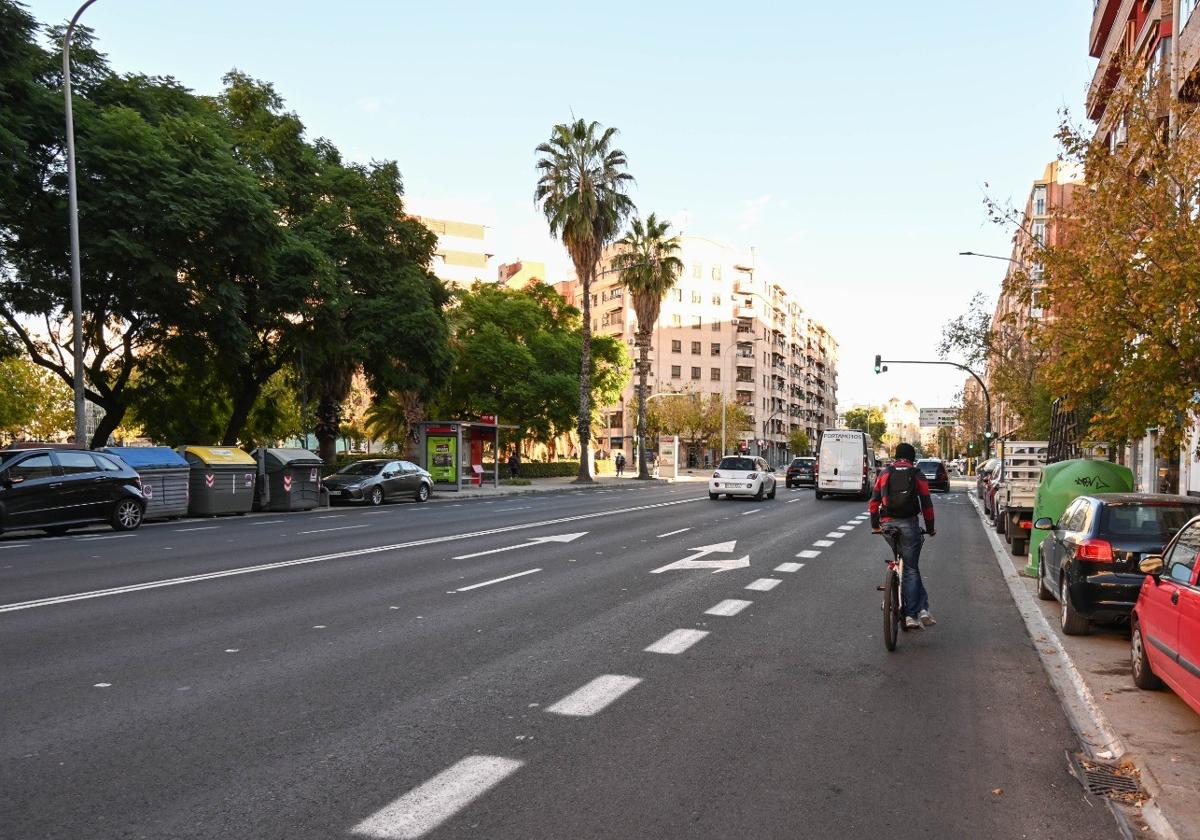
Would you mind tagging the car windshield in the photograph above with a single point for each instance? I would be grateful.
(802, 462)
(1152, 522)
(362, 468)
(739, 464)
(928, 466)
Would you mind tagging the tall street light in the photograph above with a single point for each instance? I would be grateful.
(73, 211)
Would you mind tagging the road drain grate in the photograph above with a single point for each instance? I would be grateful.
(1102, 778)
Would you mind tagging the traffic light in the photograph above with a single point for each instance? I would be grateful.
(989, 434)
(878, 364)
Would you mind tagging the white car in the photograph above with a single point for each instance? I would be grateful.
(742, 476)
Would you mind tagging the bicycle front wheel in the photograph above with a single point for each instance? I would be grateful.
(891, 609)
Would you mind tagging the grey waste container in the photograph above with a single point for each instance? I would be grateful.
(164, 474)
(221, 480)
(294, 476)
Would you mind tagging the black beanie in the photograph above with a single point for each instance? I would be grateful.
(906, 451)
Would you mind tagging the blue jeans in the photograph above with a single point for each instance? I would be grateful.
(911, 539)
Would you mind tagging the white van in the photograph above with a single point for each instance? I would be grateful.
(845, 464)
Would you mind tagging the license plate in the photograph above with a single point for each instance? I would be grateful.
(335, 492)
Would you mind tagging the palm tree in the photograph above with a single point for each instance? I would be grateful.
(649, 268)
(581, 189)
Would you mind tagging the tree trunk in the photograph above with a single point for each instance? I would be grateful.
(114, 413)
(242, 404)
(584, 426)
(643, 372)
(329, 413)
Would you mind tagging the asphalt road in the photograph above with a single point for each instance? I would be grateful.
(391, 673)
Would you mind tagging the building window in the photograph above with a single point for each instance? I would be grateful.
(697, 297)
(697, 271)
(677, 295)
(696, 322)
(716, 326)
(616, 420)
(676, 320)
(716, 273)
(716, 300)
(676, 371)
(676, 346)
(1039, 231)
(715, 374)
(695, 373)
(714, 349)
(695, 348)
(1039, 201)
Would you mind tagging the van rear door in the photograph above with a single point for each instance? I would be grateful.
(842, 454)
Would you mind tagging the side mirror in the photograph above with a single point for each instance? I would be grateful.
(1045, 523)
(1151, 564)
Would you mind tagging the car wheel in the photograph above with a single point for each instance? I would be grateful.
(1143, 676)
(375, 499)
(759, 494)
(818, 494)
(774, 490)
(423, 492)
(127, 515)
(1073, 624)
(1044, 592)
(714, 496)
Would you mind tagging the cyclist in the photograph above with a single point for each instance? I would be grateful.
(901, 493)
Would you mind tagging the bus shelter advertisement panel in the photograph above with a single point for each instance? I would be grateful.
(442, 456)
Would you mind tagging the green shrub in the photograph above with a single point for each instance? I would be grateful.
(516, 482)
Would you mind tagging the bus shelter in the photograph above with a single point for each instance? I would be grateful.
(455, 451)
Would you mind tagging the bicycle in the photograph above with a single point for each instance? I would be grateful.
(893, 592)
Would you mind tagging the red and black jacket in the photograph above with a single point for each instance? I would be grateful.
(922, 493)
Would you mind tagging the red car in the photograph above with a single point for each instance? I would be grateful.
(1165, 624)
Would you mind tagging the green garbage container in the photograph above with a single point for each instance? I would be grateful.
(221, 480)
(294, 476)
(164, 475)
(1062, 482)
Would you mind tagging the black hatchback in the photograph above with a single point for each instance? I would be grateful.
(801, 471)
(55, 489)
(1089, 561)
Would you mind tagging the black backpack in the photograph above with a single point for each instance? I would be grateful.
(900, 496)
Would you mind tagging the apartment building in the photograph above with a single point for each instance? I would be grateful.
(461, 257)
(1049, 195)
(723, 330)
(520, 274)
(903, 421)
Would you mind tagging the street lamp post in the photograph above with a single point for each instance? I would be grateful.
(73, 212)
(987, 399)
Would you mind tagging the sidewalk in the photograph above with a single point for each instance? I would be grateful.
(1155, 730)
(541, 485)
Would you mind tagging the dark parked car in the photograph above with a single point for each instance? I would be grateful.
(935, 473)
(377, 480)
(1091, 559)
(55, 489)
(982, 473)
(801, 471)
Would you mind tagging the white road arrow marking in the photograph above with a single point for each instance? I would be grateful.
(560, 538)
(694, 562)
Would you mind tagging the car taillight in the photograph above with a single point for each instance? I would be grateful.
(137, 482)
(1094, 551)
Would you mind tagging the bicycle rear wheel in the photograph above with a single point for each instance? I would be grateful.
(891, 609)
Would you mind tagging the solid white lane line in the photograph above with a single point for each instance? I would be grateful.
(203, 528)
(764, 584)
(823, 543)
(793, 501)
(747, 513)
(595, 696)
(808, 554)
(269, 522)
(728, 607)
(109, 537)
(358, 552)
(677, 641)
(497, 580)
(835, 535)
(845, 527)
(789, 567)
(338, 528)
(427, 806)
(673, 533)
(14, 545)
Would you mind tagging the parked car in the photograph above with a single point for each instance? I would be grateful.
(742, 475)
(56, 489)
(1091, 559)
(982, 472)
(935, 473)
(802, 471)
(375, 481)
(845, 464)
(1164, 638)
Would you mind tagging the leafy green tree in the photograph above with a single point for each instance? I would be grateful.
(581, 190)
(36, 403)
(869, 420)
(649, 266)
(798, 443)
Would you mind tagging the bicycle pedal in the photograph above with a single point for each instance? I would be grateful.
(880, 588)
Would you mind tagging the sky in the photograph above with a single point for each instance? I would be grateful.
(850, 144)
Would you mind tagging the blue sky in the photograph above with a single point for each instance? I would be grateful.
(849, 143)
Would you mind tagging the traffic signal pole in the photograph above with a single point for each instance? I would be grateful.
(881, 366)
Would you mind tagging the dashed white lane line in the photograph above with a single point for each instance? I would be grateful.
(15, 545)
(109, 537)
(835, 535)
(823, 543)
(728, 607)
(748, 512)
(332, 516)
(853, 521)
(497, 580)
(673, 533)
(789, 567)
(203, 528)
(427, 806)
(595, 696)
(269, 522)
(808, 554)
(845, 527)
(793, 501)
(764, 584)
(337, 528)
(677, 641)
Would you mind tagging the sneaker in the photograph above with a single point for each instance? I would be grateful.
(926, 619)
(911, 623)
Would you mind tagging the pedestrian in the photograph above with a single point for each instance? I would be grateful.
(620, 464)
(514, 463)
